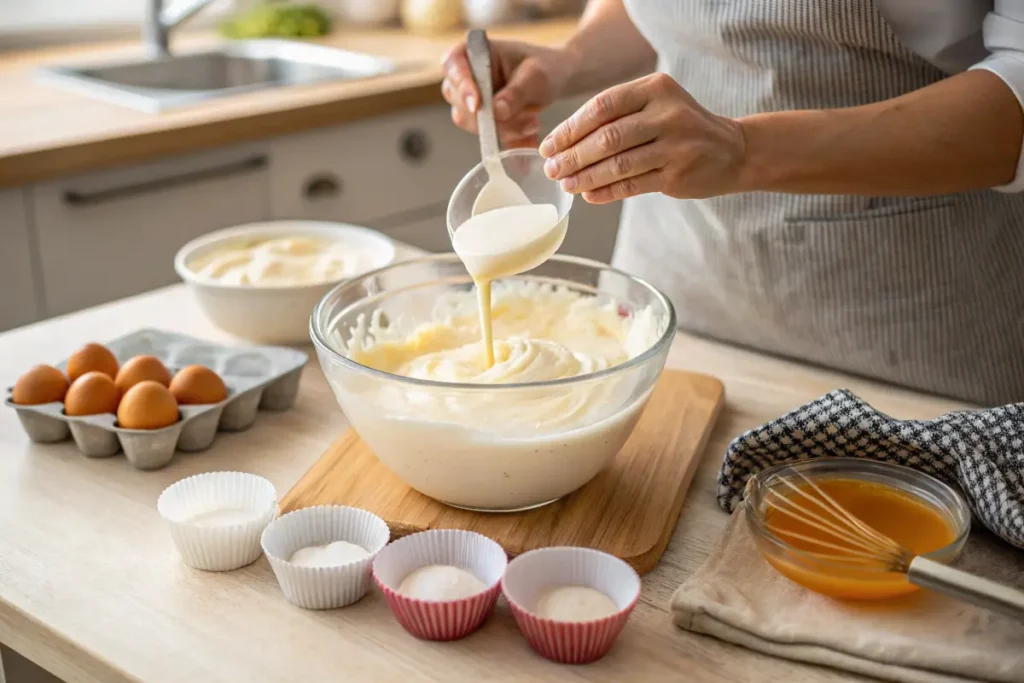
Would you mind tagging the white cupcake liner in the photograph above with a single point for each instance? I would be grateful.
(324, 587)
(218, 548)
(441, 619)
(569, 642)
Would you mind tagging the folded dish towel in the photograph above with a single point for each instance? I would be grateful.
(923, 638)
(979, 451)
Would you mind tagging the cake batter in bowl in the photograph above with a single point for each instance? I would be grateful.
(578, 348)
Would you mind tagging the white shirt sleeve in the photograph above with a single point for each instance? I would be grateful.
(1003, 31)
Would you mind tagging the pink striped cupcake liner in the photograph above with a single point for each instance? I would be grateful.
(441, 619)
(570, 642)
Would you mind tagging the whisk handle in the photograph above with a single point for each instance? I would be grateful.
(967, 587)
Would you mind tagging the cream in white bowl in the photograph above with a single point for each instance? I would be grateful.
(260, 281)
(284, 261)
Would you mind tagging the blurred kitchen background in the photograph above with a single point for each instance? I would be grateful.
(113, 153)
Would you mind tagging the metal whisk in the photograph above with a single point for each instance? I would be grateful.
(855, 545)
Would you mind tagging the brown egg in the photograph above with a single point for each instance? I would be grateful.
(147, 405)
(140, 369)
(198, 385)
(91, 394)
(92, 358)
(41, 384)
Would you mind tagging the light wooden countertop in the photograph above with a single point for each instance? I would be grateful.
(46, 132)
(92, 589)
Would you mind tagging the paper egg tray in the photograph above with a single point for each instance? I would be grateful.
(256, 377)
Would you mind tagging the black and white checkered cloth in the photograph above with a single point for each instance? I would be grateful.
(980, 452)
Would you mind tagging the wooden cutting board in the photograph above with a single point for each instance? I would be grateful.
(629, 510)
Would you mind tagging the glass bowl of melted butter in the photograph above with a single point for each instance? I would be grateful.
(807, 545)
(577, 347)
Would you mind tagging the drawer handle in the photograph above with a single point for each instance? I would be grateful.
(92, 198)
(322, 186)
(414, 146)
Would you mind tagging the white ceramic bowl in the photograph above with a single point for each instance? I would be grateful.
(271, 314)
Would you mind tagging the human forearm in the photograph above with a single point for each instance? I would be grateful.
(607, 48)
(962, 133)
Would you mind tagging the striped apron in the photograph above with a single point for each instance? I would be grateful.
(924, 292)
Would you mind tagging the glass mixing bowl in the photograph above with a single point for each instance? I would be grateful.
(493, 447)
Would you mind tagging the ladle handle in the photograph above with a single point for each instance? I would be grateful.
(479, 53)
(967, 587)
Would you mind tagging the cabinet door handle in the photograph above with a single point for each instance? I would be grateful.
(74, 198)
(322, 186)
(414, 146)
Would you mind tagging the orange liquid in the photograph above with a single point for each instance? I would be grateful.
(912, 522)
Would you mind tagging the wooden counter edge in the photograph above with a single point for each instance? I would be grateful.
(418, 87)
(35, 166)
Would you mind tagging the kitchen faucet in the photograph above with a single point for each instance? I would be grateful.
(160, 20)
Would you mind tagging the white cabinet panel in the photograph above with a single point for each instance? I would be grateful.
(18, 297)
(365, 170)
(108, 235)
(592, 228)
(427, 231)
(591, 231)
(370, 171)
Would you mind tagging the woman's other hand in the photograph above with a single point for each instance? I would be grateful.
(527, 78)
(648, 135)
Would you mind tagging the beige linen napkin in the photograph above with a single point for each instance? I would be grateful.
(736, 596)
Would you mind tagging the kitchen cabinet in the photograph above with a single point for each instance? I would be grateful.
(592, 230)
(88, 239)
(591, 233)
(19, 304)
(592, 227)
(426, 229)
(108, 235)
(371, 169)
(395, 173)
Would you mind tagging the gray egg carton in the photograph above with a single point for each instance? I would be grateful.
(257, 377)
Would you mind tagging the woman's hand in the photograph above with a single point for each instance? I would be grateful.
(527, 78)
(648, 135)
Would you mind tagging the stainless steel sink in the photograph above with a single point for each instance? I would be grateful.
(163, 83)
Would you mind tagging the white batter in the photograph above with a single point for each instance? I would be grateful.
(541, 333)
(330, 555)
(574, 603)
(223, 517)
(441, 582)
(504, 242)
(282, 261)
(513, 448)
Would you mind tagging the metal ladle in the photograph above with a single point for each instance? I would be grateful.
(499, 190)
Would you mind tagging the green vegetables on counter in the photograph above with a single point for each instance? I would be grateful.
(278, 20)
